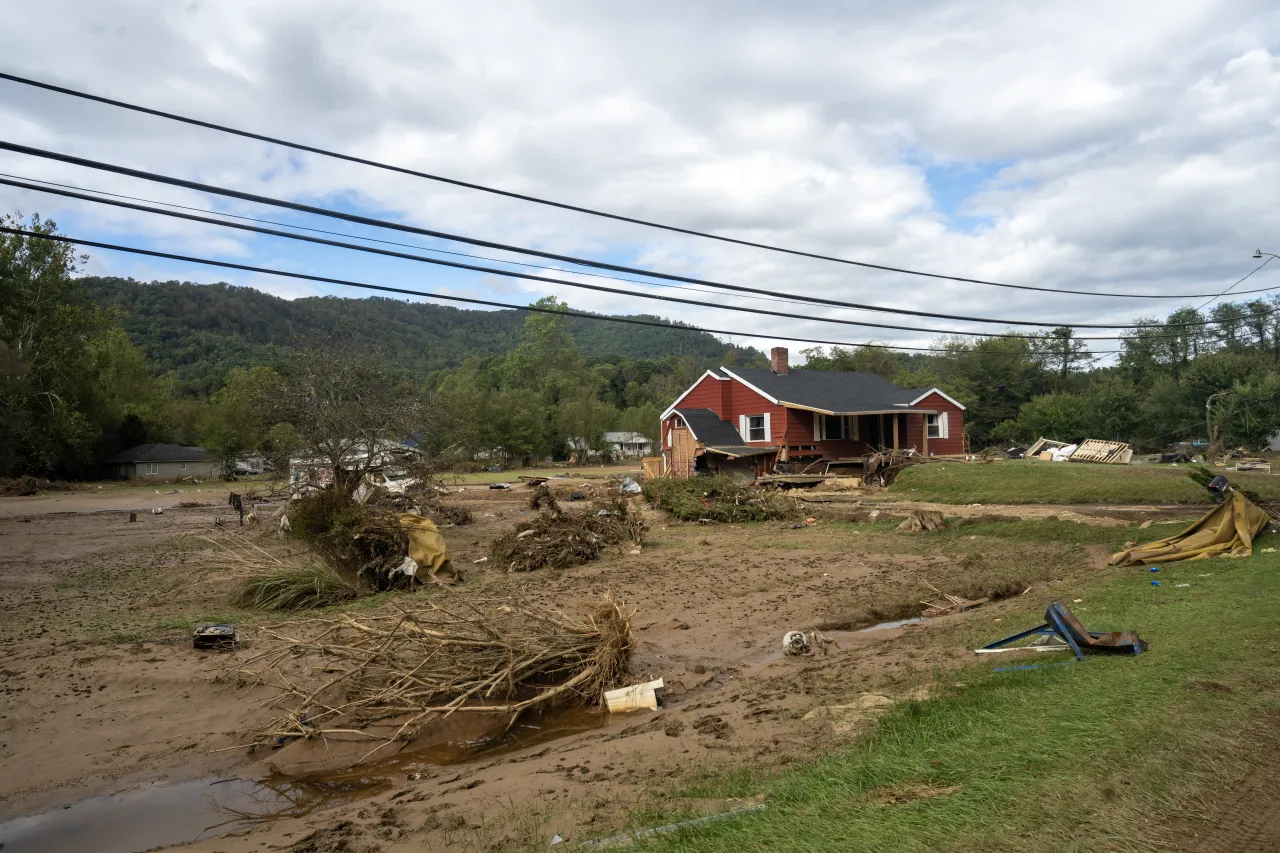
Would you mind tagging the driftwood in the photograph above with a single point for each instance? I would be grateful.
(384, 677)
(921, 520)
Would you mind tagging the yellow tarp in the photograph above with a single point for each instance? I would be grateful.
(1228, 530)
(427, 547)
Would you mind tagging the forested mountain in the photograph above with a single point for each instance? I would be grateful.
(199, 332)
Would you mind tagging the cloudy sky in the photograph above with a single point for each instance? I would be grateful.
(1100, 146)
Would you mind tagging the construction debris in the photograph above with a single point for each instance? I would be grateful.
(949, 604)
(637, 697)
(382, 678)
(1253, 463)
(1104, 452)
(921, 520)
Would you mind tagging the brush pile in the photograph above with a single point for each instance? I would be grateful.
(718, 499)
(398, 672)
(254, 577)
(559, 539)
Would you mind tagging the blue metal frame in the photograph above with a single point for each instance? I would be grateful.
(1056, 626)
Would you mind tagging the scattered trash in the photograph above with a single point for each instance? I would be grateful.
(1103, 452)
(808, 522)
(1181, 585)
(427, 548)
(1155, 583)
(634, 552)
(922, 520)
(158, 511)
(1060, 621)
(522, 534)
(637, 697)
(630, 487)
(795, 643)
(499, 487)
(209, 636)
(1268, 550)
(481, 560)
(1016, 452)
(953, 603)
(577, 495)
(556, 839)
(1154, 569)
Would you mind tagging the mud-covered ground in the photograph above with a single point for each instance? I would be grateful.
(101, 691)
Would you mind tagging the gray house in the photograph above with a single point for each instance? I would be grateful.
(161, 462)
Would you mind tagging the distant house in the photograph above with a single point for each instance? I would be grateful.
(744, 421)
(161, 462)
(628, 445)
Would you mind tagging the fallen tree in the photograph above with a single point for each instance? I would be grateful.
(384, 677)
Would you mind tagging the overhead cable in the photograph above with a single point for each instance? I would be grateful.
(311, 149)
(240, 226)
(79, 241)
(364, 220)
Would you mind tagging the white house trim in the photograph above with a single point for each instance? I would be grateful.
(689, 390)
(940, 394)
(733, 375)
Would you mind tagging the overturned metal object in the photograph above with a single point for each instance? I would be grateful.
(1062, 623)
(217, 637)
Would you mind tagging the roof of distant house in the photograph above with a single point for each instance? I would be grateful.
(626, 438)
(831, 391)
(159, 453)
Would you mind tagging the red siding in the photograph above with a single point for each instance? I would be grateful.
(954, 442)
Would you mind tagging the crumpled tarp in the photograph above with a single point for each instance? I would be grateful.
(1227, 530)
(427, 548)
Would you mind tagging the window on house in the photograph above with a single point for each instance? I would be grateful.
(151, 467)
(936, 425)
(835, 427)
(755, 428)
(183, 466)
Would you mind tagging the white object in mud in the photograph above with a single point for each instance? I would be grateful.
(637, 697)
(795, 643)
(408, 567)
(158, 511)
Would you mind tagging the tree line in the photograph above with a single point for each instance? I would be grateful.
(92, 366)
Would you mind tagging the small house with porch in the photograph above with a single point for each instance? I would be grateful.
(743, 422)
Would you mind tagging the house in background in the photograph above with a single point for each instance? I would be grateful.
(161, 462)
(628, 445)
(744, 421)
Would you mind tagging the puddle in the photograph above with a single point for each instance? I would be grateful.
(884, 626)
(166, 814)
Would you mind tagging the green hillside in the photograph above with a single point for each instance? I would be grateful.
(199, 332)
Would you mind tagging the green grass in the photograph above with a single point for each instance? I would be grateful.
(1033, 481)
(1087, 756)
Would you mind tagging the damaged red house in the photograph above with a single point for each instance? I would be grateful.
(744, 421)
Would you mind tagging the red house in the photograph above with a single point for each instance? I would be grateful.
(746, 420)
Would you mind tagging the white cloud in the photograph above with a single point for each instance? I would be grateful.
(1133, 147)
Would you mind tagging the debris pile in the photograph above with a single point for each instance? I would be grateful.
(386, 676)
(719, 499)
(558, 539)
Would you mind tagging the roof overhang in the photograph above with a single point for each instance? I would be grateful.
(739, 452)
(950, 400)
(896, 411)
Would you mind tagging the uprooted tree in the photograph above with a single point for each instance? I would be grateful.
(345, 408)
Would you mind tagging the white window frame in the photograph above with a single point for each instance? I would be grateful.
(744, 427)
(848, 427)
(183, 466)
(935, 425)
(150, 467)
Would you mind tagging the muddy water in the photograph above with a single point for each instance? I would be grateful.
(179, 813)
(161, 815)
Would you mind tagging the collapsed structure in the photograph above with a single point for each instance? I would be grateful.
(742, 422)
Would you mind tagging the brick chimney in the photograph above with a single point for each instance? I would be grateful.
(778, 360)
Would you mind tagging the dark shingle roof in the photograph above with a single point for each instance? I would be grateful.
(159, 453)
(829, 390)
(709, 429)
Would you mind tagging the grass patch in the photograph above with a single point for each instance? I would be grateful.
(1036, 482)
(304, 587)
(1095, 755)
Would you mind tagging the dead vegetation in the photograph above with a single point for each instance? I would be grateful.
(398, 671)
(559, 539)
(719, 499)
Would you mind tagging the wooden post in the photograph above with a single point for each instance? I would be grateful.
(924, 432)
(895, 431)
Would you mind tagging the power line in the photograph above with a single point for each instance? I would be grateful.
(1233, 287)
(364, 220)
(539, 278)
(78, 241)
(298, 146)
(792, 300)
